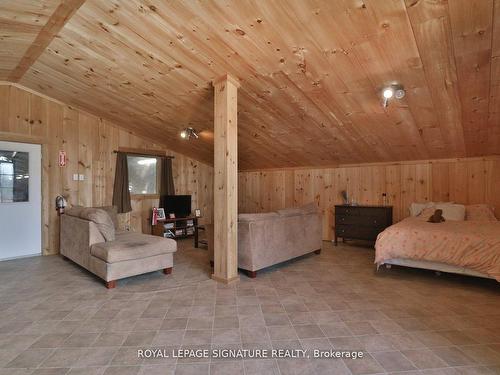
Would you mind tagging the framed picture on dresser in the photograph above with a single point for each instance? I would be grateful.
(161, 214)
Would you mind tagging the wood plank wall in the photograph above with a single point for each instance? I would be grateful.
(89, 142)
(466, 181)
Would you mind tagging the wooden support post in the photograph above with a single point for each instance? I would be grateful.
(225, 179)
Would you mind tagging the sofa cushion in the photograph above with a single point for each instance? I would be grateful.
(106, 218)
(255, 217)
(290, 212)
(102, 220)
(130, 245)
(81, 212)
(74, 211)
(310, 208)
(113, 214)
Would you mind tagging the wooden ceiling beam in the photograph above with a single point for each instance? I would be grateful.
(56, 22)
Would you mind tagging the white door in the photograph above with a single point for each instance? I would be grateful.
(20, 200)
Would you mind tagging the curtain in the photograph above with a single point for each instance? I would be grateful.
(121, 194)
(166, 179)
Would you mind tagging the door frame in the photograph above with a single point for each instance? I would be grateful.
(44, 188)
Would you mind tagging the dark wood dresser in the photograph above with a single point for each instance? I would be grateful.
(361, 222)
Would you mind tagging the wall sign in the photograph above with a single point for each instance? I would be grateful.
(62, 158)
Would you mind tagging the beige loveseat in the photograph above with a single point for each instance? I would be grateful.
(266, 239)
(90, 238)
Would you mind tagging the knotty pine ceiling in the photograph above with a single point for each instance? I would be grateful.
(20, 23)
(311, 72)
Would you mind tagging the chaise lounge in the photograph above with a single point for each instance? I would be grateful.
(89, 237)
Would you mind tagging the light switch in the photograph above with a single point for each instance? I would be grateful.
(82, 177)
(75, 177)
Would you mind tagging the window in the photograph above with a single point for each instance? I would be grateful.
(14, 176)
(143, 174)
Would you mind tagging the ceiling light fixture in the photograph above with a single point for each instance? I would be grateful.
(189, 133)
(388, 92)
(395, 90)
(399, 93)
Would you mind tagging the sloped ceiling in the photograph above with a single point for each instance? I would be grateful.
(20, 23)
(311, 74)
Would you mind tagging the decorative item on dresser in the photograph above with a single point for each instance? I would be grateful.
(361, 222)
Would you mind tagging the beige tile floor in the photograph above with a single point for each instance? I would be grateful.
(58, 319)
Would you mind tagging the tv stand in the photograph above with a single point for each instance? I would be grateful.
(180, 227)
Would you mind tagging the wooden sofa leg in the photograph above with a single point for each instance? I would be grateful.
(251, 274)
(111, 284)
(317, 251)
(167, 271)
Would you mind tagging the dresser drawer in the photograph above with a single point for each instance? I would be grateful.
(374, 211)
(362, 233)
(362, 220)
(347, 211)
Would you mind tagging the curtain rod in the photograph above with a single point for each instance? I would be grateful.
(144, 154)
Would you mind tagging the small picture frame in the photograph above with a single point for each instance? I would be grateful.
(171, 215)
(161, 214)
(197, 212)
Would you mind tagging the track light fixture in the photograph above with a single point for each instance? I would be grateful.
(388, 92)
(189, 133)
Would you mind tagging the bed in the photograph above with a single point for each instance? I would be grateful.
(470, 247)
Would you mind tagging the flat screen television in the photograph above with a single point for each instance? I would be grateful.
(180, 205)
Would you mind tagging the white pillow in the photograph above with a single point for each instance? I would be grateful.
(453, 212)
(417, 208)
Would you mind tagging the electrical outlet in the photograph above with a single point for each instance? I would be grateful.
(75, 177)
(82, 177)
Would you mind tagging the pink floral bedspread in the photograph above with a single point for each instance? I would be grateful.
(471, 244)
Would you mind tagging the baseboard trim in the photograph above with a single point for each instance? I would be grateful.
(21, 257)
(231, 280)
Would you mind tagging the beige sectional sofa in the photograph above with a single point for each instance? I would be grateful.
(90, 238)
(266, 239)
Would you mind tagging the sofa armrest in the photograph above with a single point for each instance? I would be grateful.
(245, 253)
(76, 237)
(263, 243)
(259, 240)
